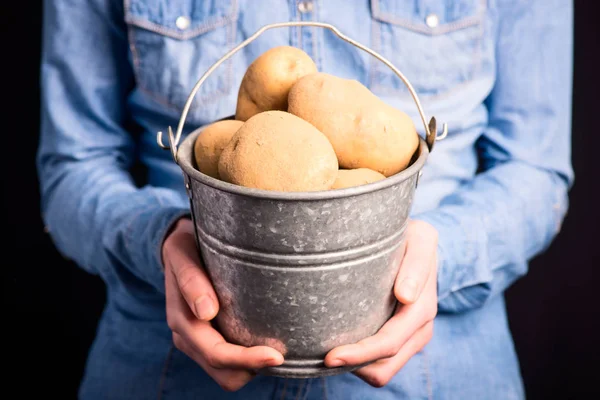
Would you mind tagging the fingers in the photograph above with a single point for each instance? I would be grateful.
(188, 315)
(229, 365)
(178, 311)
(381, 372)
(219, 354)
(193, 282)
(392, 337)
(229, 379)
(207, 343)
(421, 249)
(384, 344)
(217, 357)
(196, 289)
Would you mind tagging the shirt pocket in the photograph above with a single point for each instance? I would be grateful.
(174, 43)
(436, 44)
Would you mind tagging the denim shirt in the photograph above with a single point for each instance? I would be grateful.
(497, 71)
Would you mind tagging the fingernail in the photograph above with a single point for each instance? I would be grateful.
(336, 363)
(271, 361)
(204, 308)
(408, 289)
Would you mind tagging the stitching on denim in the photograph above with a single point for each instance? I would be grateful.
(132, 48)
(440, 30)
(376, 44)
(172, 33)
(137, 60)
(445, 28)
(384, 90)
(315, 32)
(165, 370)
(324, 387)
(285, 381)
(230, 44)
(427, 374)
(300, 388)
(299, 30)
(210, 24)
(137, 69)
(307, 389)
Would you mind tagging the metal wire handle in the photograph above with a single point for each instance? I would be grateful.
(430, 129)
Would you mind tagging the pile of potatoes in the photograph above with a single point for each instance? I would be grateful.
(298, 129)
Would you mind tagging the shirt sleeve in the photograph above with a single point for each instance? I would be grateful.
(511, 211)
(93, 210)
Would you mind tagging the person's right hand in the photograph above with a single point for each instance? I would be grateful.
(192, 303)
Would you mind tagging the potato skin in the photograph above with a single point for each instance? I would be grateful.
(210, 143)
(364, 131)
(275, 150)
(268, 79)
(355, 177)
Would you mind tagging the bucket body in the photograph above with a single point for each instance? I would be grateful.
(301, 272)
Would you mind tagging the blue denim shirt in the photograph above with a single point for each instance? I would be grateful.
(497, 71)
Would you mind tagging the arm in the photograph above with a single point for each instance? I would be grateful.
(93, 210)
(492, 226)
(95, 213)
(480, 238)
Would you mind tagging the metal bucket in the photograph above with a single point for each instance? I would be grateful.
(302, 272)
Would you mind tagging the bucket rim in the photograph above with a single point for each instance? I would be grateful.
(185, 160)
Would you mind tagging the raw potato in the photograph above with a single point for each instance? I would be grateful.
(267, 81)
(364, 131)
(355, 177)
(211, 142)
(275, 150)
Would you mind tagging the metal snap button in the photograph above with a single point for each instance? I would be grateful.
(305, 6)
(182, 23)
(432, 20)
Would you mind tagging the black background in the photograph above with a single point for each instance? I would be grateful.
(52, 306)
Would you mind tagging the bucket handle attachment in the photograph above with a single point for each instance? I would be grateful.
(430, 128)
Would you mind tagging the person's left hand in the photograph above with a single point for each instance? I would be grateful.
(411, 327)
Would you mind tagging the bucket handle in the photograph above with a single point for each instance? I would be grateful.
(430, 128)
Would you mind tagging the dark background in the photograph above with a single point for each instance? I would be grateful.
(53, 306)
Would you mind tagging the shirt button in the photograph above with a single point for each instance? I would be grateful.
(305, 6)
(182, 23)
(432, 20)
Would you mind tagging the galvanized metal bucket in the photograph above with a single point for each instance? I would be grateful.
(302, 272)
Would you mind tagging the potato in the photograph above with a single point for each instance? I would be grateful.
(275, 150)
(268, 79)
(355, 177)
(364, 131)
(211, 142)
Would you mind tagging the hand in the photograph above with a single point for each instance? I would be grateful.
(411, 327)
(192, 303)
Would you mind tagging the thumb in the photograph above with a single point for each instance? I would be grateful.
(183, 260)
(421, 248)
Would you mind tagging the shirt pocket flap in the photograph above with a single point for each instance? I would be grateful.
(180, 19)
(429, 17)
